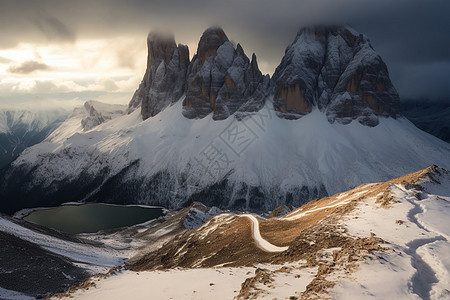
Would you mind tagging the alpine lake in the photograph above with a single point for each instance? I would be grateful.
(92, 217)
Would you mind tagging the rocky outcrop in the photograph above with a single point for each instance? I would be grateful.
(363, 90)
(165, 76)
(97, 113)
(93, 119)
(296, 78)
(331, 68)
(221, 79)
(336, 70)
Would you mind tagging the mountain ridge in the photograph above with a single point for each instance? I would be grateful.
(378, 240)
(333, 68)
(430, 116)
(21, 128)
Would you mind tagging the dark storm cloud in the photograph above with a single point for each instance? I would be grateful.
(54, 29)
(270, 22)
(27, 67)
(34, 22)
(412, 32)
(411, 35)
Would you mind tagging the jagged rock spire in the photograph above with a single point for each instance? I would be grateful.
(222, 80)
(332, 68)
(335, 69)
(165, 76)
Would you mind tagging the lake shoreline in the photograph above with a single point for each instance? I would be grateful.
(77, 218)
(21, 214)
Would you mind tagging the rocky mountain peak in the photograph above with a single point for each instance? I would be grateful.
(221, 79)
(254, 63)
(335, 69)
(160, 47)
(331, 68)
(210, 41)
(296, 78)
(96, 113)
(94, 118)
(165, 76)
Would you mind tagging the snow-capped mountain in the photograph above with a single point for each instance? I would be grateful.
(21, 128)
(336, 70)
(328, 120)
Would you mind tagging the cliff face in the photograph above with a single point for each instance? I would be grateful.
(222, 79)
(333, 69)
(296, 78)
(336, 70)
(165, 76)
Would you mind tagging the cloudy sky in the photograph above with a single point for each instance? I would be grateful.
(96, 49)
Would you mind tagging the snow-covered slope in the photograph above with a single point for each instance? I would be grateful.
(37, 262)
(387, 240)
(82, 119)
(415, 225)
(79, 252)
(259, 162)
(21, 128)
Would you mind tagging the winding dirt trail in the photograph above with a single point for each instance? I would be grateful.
(260, 242)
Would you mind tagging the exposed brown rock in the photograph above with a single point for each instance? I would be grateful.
(229, 82)
(338, 71)
(249, 288)
(210, 41)
(368, 96)
(280, 211)
(164, 79)
(386, 199)
(291, 98)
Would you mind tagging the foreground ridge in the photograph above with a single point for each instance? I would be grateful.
(347, 245)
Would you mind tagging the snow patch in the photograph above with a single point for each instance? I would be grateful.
(77, 252)
(196, 217)
(416, 264)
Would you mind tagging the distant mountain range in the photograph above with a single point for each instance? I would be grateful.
(430, 116)
(21, 128)
(214, 129)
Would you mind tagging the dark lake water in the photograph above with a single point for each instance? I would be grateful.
(92, 217)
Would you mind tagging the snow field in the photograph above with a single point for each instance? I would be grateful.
(416, 264)
(81, 253)
(315, 153)
(214, 283)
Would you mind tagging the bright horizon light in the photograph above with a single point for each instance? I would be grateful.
(89, 65)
